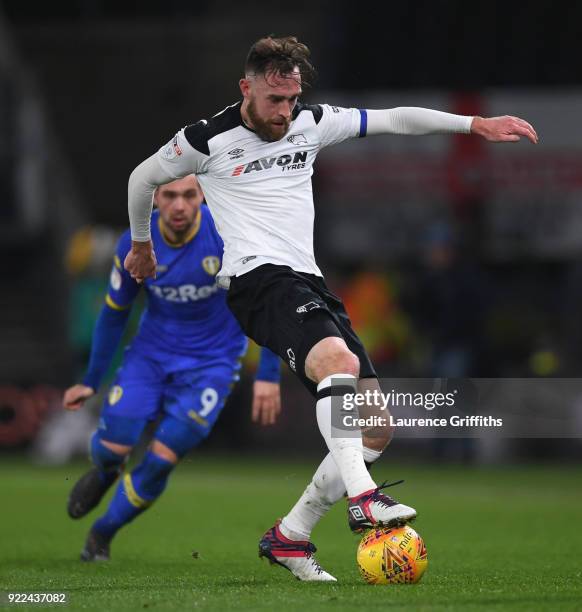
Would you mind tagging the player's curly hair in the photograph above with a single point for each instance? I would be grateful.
(280, 55)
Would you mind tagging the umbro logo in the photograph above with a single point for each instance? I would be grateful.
(356, 513)
(236, 153)
(297, 139)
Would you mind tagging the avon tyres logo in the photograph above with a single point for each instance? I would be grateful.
(285, 162)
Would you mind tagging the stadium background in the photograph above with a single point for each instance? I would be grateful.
(455, 258)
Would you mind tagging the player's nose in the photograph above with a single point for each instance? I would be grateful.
(179, 203)
(285, 110)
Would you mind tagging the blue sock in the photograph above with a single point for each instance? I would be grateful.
(105, 460)
(135, 493)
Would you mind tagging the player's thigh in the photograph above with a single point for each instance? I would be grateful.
(133, 399)
(197, 396)
(284, 311)
(353, 342)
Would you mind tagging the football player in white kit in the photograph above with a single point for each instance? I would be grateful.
(254, 161)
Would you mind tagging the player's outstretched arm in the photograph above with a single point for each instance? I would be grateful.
(419, 121)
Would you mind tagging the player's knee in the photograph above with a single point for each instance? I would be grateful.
(106, 455)
(178, 437)
(164, 452)
(331, 356)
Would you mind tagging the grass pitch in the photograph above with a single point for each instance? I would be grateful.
(504, 539)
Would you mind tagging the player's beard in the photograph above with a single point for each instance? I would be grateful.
(179, 233)
(265, 130)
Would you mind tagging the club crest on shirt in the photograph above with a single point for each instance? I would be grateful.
(115, 394)
(211, 265)
(297, 139)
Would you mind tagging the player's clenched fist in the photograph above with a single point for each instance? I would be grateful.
(76, 395)
(141, 261)
(503, 129)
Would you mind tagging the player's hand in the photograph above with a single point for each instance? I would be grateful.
(76, 396)
(503, 129)
(266, 402)
(141, 261)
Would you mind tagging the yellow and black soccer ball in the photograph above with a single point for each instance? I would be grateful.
(392, 556)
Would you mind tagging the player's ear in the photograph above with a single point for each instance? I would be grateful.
(245, 87)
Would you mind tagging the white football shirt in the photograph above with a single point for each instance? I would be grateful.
(259, 193)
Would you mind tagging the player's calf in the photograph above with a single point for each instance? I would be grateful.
(139, 490)
(135, 493)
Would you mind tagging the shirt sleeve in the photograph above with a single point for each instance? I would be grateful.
(179, 157)
(338, 124)
(269, 366)
(107, 334)
(414, 121)
(174, 160)
(122, 289)
(113, 317)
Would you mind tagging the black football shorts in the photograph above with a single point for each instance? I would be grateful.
(290, 312)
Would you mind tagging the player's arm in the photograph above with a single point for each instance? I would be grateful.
(419, 121)
(175, 160)
(267, 390)
(108, 330)
(337, 124)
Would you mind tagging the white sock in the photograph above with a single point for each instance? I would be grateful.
(370, 455)
(346, 451)
(324, 490)
(326, 487)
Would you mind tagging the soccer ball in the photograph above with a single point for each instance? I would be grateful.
(392, 556)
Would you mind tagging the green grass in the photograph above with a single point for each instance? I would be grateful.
(502, 539)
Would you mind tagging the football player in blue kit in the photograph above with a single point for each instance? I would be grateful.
(178, 369)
